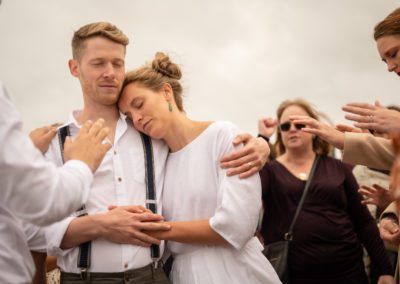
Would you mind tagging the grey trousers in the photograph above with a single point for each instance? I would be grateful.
(144, 275)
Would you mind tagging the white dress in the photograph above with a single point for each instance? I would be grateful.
(197, 188)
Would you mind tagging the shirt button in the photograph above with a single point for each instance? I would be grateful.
(125, 265)
(115, 152)
(119, 179)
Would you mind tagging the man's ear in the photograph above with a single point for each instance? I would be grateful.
(73, 67)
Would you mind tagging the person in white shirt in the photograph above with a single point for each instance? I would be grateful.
(34, 190)
(213, 217)
(119, 248)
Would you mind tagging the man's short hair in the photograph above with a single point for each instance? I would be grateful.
(102, 29)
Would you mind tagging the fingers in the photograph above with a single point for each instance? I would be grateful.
(151, 226)
(359, 108)
(96, 127)
(241, 138)
(85, 127)
(147, 240)
(131, 208)
(236, 158)
(148, 217)
(347, 128)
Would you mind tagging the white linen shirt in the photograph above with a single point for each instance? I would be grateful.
(32, 190)
(120, 180)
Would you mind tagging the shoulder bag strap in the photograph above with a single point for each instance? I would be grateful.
(289, 235)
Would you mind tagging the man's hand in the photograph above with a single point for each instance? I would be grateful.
(248, 160)
(88, 145)
(124, 225)
(376, 195)
(41, 137)
(324, 131)
(375, 117)
(389, 230)
(267, 126)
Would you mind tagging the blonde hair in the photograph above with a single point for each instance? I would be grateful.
(102, 29)
(156, 74)
(388, 26)
(319, 146)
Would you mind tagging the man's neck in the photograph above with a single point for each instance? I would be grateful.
(110, 114)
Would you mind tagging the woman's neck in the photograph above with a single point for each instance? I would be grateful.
(298, 156)
(182, 131)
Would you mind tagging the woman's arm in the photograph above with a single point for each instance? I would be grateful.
(191, 232)
(364, 225)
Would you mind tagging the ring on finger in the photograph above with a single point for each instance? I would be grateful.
(250, 164)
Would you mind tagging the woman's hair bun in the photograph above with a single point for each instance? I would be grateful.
(162, 64)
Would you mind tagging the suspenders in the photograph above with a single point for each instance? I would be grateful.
(151, 199)
(85, 248)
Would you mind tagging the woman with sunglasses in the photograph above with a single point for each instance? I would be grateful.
(333, 224)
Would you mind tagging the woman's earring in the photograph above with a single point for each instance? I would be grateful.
(169, 106)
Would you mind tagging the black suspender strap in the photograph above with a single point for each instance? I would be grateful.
(84, 249)
(151, 197)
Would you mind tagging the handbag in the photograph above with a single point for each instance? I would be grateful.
(277, 252)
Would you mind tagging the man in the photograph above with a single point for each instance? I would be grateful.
(119, 249)
(36, 191)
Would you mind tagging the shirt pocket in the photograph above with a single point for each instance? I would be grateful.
(138, 173)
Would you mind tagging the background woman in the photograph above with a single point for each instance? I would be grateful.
(332, 224)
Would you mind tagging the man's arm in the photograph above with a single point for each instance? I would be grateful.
(248, 160)
(119, 225)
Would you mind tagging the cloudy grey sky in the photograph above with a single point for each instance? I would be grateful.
(240, 59)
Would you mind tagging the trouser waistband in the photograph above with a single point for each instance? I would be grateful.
(128, 274)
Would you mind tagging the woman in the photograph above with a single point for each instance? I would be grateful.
(332, 224)
(219, 246)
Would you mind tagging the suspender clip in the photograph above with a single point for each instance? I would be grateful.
(85, 274)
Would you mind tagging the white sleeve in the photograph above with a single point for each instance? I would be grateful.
(239, 202)
(35, 237)
(54, 235)
(32, 188)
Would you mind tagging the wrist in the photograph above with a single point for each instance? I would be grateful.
(266, 138)
(100, 224)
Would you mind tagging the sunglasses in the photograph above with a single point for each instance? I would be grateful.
(286, 126)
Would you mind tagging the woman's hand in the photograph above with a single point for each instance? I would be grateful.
(374, 117)
(267, 126)
(376, 195)
(248, 160)
(323, 131)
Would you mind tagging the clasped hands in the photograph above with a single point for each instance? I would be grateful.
(132, 225)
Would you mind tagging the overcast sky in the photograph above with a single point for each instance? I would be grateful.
(240, 59)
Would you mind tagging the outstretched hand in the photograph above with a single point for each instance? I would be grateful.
(323, 131)
(41, 137)
(248, 160)
(375, 195)
(374, 117)
(88, 145)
